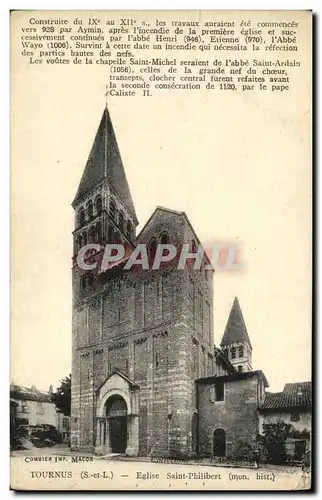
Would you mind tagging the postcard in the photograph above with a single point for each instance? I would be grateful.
(161, 250)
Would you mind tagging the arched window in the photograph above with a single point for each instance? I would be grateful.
(121, 220)
(81, 217)
(164, 239)
(193, 246)
(240, 369)
(113, 211)
(219, 443)
(129, 230)
(152, 248)
(233, 352)
(226, 351)
(241, 351)
(98, 204)
(90, 210)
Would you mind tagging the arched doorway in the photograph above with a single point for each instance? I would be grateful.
(219, 443)
(116, 412)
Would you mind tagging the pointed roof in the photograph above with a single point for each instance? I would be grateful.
(105, 162)
(235, 330)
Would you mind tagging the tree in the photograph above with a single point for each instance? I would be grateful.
(62, 396)
(275, 435)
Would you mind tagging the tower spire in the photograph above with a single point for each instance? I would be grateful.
(105, 162)
(235, 341)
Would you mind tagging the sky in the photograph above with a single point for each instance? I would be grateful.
(237, 164)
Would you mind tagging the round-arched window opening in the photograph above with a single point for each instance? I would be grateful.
(193, 246)
(164, 239)
(113, 211)
(98, 205)
(121, 220)
(152, 248)
(90, 210)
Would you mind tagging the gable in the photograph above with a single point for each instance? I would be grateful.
(163, 220)
(115, 380)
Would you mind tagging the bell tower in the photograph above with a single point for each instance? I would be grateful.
(104, 210)
(236, 343)
(104, 213)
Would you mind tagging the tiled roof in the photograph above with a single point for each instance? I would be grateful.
(105, 162)
(235, 330)
(22, 393)
(296, 395)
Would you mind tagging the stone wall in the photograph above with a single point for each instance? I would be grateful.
(156, 328)
(236, 414)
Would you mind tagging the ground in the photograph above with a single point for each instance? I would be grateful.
(46, 468)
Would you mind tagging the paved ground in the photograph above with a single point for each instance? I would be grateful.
(140, 474)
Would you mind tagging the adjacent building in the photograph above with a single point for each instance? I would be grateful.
(228, 417)
(293, 406)
(32, 407)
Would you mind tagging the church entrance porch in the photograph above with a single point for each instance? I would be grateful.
(117, 419)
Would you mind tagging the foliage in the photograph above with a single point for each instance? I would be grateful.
(304, 434)
(245, 451)
(275, 435)
(62, 396)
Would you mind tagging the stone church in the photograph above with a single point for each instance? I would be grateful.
(147, 378)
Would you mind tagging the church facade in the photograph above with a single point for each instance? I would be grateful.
(147, 379)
